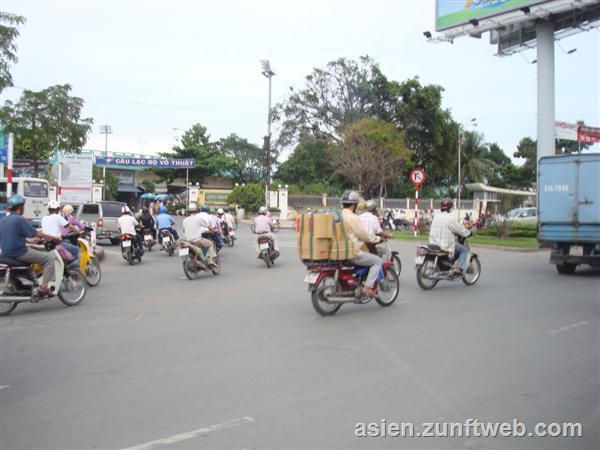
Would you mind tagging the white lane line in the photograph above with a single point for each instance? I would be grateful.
(4, 387)
(568, 327)
(192, 434)
(402, 302)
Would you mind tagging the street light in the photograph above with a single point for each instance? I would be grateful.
(106, 130)
(268, 73)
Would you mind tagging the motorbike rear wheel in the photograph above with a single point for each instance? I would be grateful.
(276, 227)
(266, 257)
(7, 308)
(230, 241)
(217, 269)
(72, 290)
(473, 272)
(423, 272)
(171, 250)
(130, 256)
(388, 289)
(189, 268)
(320, 302)
(93, 274)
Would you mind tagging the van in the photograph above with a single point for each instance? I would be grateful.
(105, 215)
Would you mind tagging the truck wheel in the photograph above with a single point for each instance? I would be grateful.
(566, 268)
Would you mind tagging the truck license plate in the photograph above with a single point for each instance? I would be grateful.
(311, 278)
(126, 244)
(419, 260)
(576, 250)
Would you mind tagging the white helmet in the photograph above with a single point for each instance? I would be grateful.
(220, 211)
(262, 210)
(53, 204)
(125, 210)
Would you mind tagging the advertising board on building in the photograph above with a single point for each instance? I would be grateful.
(145, 163)
(454, 13)
(76, 177)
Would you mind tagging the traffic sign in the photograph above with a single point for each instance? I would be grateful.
(417, 177)
(3, 148)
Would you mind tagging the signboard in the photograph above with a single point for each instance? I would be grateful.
(125, 178)
(417, 177)
(588, 134)
(145, 163)
(76, 185)
(3, 148)
(575, 132)
(454, 13)
(193, 194)
(566, 131)
(213, 196)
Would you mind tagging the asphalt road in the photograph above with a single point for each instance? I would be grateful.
(241, 360)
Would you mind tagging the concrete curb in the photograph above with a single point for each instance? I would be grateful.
(493, 247)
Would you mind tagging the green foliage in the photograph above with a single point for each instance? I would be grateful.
(476, 164)
(246, 163)
(8, 33)
(111, 184)
(510, 229)
(195, 144)
(149, 186)
(249, 196)
(45, 121)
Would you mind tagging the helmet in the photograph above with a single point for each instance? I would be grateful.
(162, 209)
(370, 205)
(350, 198)
(15, 201)
(67, 209)
(204, 208)
(220, 211)
(226, 209)
(192, 208)
(447, 204)
(53, 204)
(262, 210)
(125, 210)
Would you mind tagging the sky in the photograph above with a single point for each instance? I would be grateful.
(151, 69)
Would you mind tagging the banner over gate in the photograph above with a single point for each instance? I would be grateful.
(145, 163)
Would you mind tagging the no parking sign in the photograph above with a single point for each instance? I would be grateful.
(417, 177)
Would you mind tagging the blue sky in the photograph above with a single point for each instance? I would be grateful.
(147, 67)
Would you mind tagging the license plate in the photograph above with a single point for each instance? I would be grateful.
(166, 239)
(576, 250)
(184, 251)
(148, 237)
(311, 278)
(419, 260)
(126, 244)
(263, 246)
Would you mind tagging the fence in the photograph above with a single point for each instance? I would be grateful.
(319, 201)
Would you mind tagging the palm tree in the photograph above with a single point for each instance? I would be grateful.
(476, 163)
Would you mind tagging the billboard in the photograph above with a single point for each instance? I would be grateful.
(145, 163)
(76, 177)
(453, 13)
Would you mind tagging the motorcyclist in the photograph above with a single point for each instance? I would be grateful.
(194, 227)
(128, 225)
(371, 223)
(216, 223)
(165, 222)
(14, 230)
(442, 233)
(264, 225)
(357, 234)
(53, 225)
(229, 219)
(147, 221)
(227, 223)
(208, 224)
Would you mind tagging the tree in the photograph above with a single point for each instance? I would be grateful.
(306, 164)
(527, 149)
(195, 144)
(246, 159)
(149, 186)
(46, 121)
(371, 154)
(111, 186)
(8, 33)
(476, 164)
(250, 196)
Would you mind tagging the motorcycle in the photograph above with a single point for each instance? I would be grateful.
(168, 243)
(276, 225)
(149, 234)
(434, 264)
(194, 260)
(333, 284)
(229, 236)
(20, 282)
(130, 249)
(267, 252)
(89, 264)
(394, 258)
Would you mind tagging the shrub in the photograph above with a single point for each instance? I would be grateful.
(249, 196)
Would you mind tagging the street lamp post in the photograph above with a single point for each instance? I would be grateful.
(268, 73)
(106, 130)
(461, 140)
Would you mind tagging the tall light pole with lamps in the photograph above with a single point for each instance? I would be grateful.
(268, 73)
(106, 130)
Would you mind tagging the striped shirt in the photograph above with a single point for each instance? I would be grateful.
(371, 223)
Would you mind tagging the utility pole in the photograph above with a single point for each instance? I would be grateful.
(461, 140)
(106, 130)
(268, 73)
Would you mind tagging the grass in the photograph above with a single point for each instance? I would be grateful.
(522, 243)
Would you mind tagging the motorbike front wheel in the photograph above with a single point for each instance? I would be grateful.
(7, 308)
(230, 241)
(423, 274)
(320, 302)
(388, 289)
(397, 264)
(93, 274)
(190, 269)
(72, 290)
(473, 272)
(276, 227)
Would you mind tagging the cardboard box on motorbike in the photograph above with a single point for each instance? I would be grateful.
(322, 236)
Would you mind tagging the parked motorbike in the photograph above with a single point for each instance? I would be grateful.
(434, 264)
(194, 260)
(149, 234)
(333, 284)
(168, 243)
(229, 236)
(20, 282)
(130, 249)
(267, 252)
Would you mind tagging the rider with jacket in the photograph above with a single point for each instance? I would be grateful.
(444, 228)
(357, 234)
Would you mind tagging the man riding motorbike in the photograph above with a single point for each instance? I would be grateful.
(264, 225)
(442, 233)
(53, 225)
(194, 227)
(14, 230)
(128, 224)
(358, 235)
(165, 222)
(371, 223)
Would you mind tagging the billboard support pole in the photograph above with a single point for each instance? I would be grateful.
(545, 88)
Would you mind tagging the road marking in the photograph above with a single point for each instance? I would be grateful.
(568, 327)
(192, 434)
(4, 387)
(402, 302)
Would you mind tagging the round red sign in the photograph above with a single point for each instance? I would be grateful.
(417, 176)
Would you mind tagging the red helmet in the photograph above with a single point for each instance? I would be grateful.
(447, 204)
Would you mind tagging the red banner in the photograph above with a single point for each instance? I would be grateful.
(588, 134)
